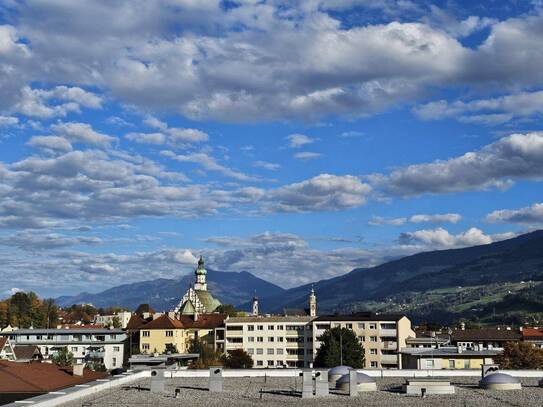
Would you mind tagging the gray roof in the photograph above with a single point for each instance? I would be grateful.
(360, 378)
(269, 319)
(40, 331)
(362, 316)
(448, 351)
(210, 303)
(499, 378)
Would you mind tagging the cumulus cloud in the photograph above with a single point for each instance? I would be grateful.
(420, 218)
(45, 241)
(266, 165)
(81, 133)
(50, 142)
(298, 140)
(8, 121)
(497, 165)
(530, 215)
(441, 239)
(324, 192)
(172, 136)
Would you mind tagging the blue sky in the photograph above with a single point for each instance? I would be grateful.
(295, 140)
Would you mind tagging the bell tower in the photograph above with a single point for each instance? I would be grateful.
(312, 303)
(200, 273)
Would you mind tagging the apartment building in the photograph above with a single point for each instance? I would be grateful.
(98, 345)
(484, 338)
(272, 341)
(381, 335)
(108, 320)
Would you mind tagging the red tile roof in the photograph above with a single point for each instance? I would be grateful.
(135, 322)
(204, 321)
(163, 322)
(37, 377)
(485, 334)
(532, 333)
(3, 341)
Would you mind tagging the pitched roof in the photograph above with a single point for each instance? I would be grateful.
(26, 352)
(3, 341)
(532, 333)
(204, 321)
(135, 322)
(361, 316)
(38, 377)
(269, 319)
(163, 322)
(210, 303)
(485, 334)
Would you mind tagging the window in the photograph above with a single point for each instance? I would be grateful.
(362, 338)
(374, 364)
(251, 339)
(349, 326)
(235, 327)
(373, 351)
(360, 325)
(270, 351)
(279, 339)
(234, 340)
(145, 334)
(260, 327)
(251, 351)
(373, 339)
(145, 346)
(113, 337)
(430, 364)
(270, 362)
(260, 351)
(271, 327)
(280, 327)
(116, 349)
(250, 327)
(114, 361)
(373, 326)
(295, 339)
(259, 363)
(271, 339)
(73, 348)
(260, 339)
(169, 333)
(295, 351)
(38, 337)
(451, 364)
(294, 327)
(466, 363)
(388, 325)
(323, 326)
(279, 351)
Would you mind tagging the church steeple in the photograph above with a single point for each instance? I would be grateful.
(312, 303)
(200, 273)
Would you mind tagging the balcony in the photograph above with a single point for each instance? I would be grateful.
(388, 332)
(391, 345)
(389, 359)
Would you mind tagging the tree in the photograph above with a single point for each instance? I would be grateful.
(116, 322)
(170, 348)
(339, 346)
(237, 359)
(520, 355)
(63, 357)
(208, 357)
(227, 309)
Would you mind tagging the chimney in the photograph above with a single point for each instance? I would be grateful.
(463, 326)
(78, 369)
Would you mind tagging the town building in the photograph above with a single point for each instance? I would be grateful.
(88, 345)
(197, 299)
(428, 341)
(381, 335)
(533, 335)
(6, 350)
(110, 320)
(446, 358)
(27, 353)
(484, 338)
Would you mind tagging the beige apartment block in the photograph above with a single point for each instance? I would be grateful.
(381, 335)
(272, 341)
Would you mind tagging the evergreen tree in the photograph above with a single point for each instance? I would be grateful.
(227, 309)
(339, 346)
(63, 357)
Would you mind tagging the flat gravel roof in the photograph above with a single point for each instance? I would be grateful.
(286, 391)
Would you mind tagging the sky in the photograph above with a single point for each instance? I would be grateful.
(295, 140)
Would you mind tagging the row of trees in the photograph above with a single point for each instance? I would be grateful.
(26, 309)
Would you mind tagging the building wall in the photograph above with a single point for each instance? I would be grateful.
(106, 320)
(451, 362)
(105, 347)
(155, 340)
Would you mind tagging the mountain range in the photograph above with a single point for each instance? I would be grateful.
(442, 285)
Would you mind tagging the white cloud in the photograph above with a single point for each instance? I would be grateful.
(420, 218)
(147, 138)
(531, 215)
(378, 220)
(323, 192)
(307, 155)
(266, 165)
(50, 142)
(172, 136)
(81, 133)
(8, 121)
(298, 140)
(497, 165)
(441, 239)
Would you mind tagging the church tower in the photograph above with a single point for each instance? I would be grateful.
(312, 303)
(255, 305)
(200, 273)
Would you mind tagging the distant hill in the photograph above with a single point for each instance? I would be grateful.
(393, 285)
(162, 294)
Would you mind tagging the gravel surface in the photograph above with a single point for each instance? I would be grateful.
(286, 391)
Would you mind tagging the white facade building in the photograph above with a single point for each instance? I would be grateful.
(98, 345)
(107, 320)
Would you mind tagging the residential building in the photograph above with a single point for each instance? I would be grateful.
(27, 353)
(97, 345)
(423, 341)
(533, 335)
(6, 350)
(272, 341)
(19, 381)
(446, 358)
(381, 335)
(108, 320)
(484, 338)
